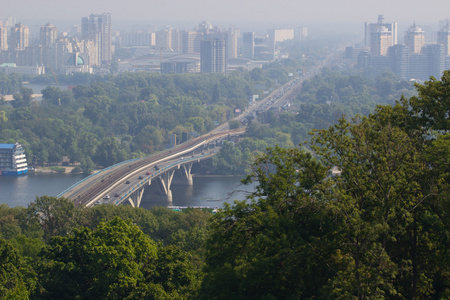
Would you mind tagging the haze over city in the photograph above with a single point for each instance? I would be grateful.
(283, 12)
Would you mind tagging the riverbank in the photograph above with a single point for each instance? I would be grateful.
(58, 170)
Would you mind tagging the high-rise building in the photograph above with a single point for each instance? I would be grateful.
(175, 43)
(443, 38)
(281, 35)
(415, 39)
(380, 36)
(191, 42)
(434, 56)
(48, 35)
(399, 60)
(3, 37)
(301, 33)
(232, 35)
(98, 29)
(19, 38)
(213, 56)
(248, 45)
(164, 39)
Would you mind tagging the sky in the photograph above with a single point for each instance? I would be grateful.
(283, 12)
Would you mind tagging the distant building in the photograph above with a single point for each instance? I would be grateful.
(232, 35)
(13, 161)
(19, 38)
(434, 56)
(380, 36)
(164, 39)
(399, 60)
(137, 38)
(415, 39)
(406, 65)
(443, 38)
(248, 45)
(191, 42)
(98, 28)
(213, 56)
(48, 35)
(8, 68)
(3, 37)
(301, 33)
(264, 48)
(281, 35)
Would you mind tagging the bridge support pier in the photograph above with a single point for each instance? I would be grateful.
(186, 173)
(136, 198)
(165, 181)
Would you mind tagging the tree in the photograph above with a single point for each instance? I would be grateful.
(16, 278)
(57, 216)
(110, 262)
(377, 226)
(270, 247)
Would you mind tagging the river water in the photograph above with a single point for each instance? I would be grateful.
(206, 191)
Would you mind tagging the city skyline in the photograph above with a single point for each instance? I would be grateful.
(283, 11)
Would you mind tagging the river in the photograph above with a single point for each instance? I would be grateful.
(206, 191)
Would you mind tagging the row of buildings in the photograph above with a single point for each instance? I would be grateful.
(58, 53)
(91, 48)
(412, 59)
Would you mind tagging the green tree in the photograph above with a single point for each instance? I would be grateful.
(16, 278)
(57, 216)
(110, 262)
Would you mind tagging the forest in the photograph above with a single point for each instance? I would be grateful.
(360, 212)
(126, 116)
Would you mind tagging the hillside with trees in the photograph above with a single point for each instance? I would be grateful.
(363, 213)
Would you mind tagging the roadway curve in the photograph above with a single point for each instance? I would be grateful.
(88, 191)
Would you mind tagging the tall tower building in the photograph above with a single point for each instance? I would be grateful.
(414, 39)
(232, 35)
(398, 60)
(248, 45)
(3, 37)
(380, 36)
(48, 35)
(19, 38)
(434, 56)
(443, 38)
(164, 39)
(191, 42)
(213, 56)
(98, 29)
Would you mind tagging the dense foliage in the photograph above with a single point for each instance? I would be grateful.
(365, 217)
(124, 116)
(117, 253)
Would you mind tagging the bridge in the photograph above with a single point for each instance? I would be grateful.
(126, 181)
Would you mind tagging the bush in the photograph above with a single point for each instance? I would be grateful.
(58, 169)
(77, 169)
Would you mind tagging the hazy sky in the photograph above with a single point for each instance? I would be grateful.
(233, 11)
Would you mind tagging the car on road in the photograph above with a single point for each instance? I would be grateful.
(156, 167)
(107, 197)
(148, 173)
(116, 195)
(141, 177)
(127, 182)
